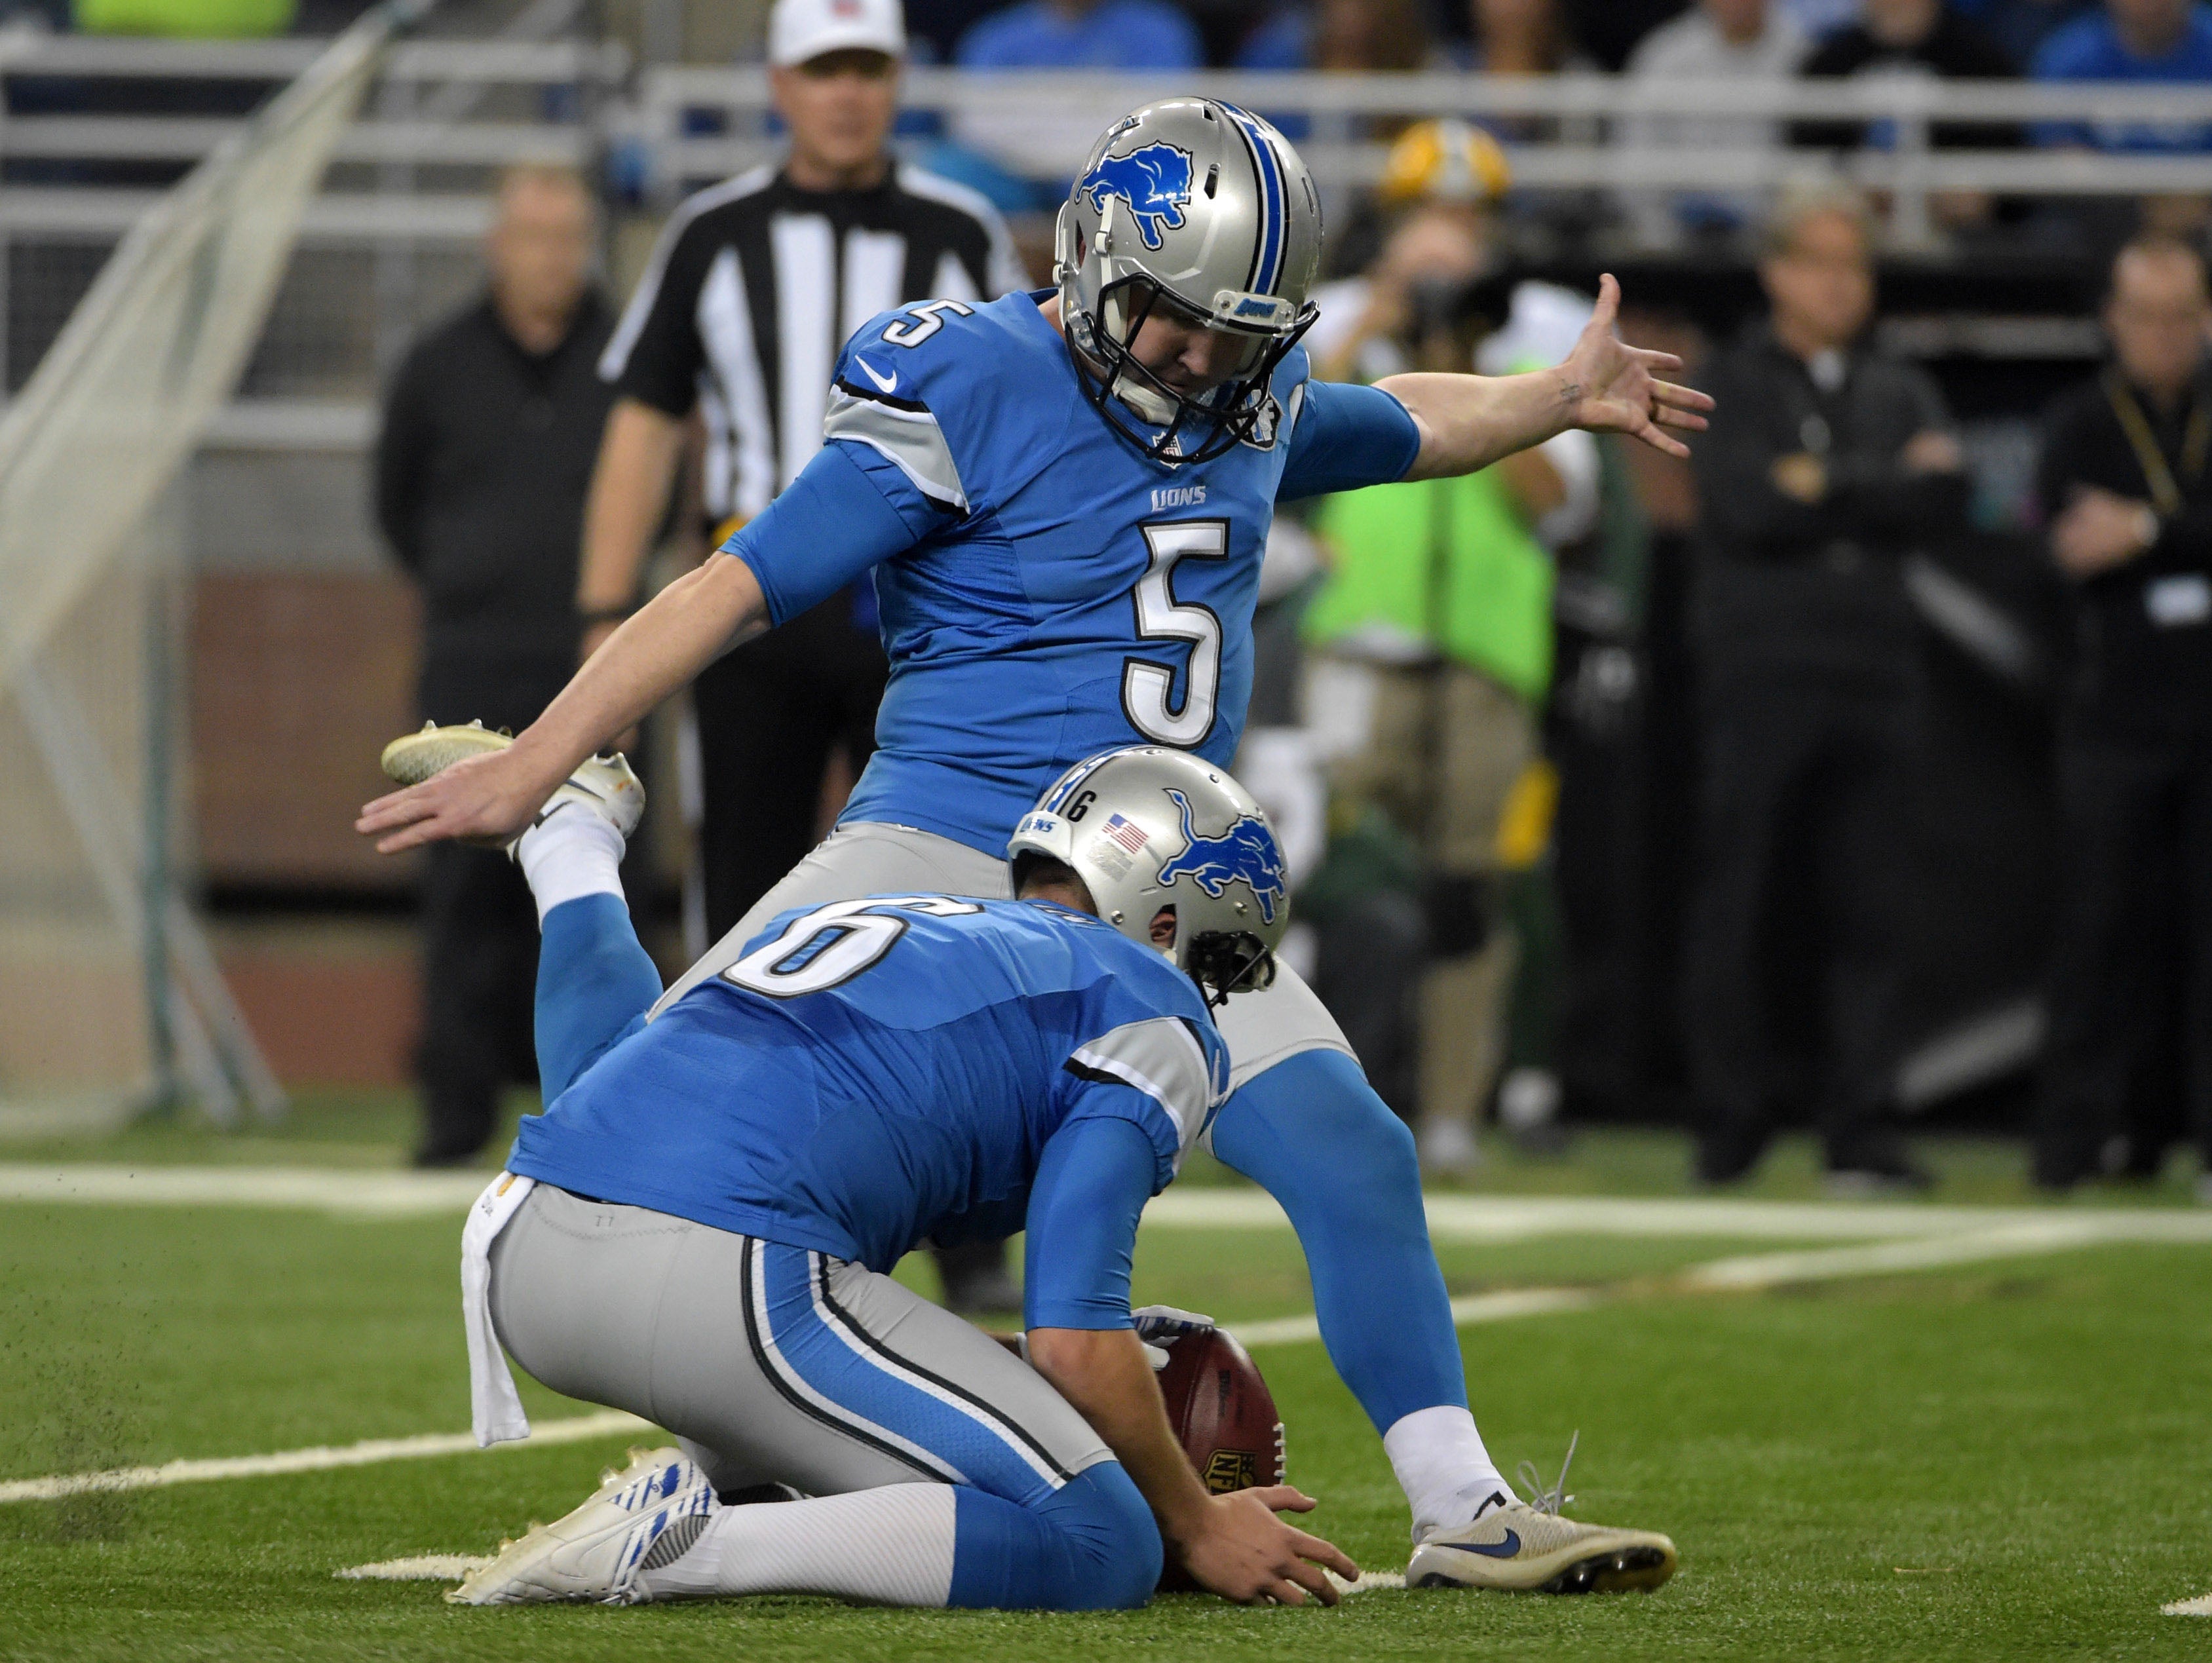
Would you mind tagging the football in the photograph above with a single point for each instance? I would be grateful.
(1223, 1412)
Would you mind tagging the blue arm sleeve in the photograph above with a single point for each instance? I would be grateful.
(848, 510)
(1347, 437)
(1091, 1186)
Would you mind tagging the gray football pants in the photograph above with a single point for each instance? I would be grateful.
(874, 858)
(772, 1364)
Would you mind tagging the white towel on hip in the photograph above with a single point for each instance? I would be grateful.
(495, 1406)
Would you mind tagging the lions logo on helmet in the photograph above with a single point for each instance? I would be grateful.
(1113, 820)
(1246, 853)
(1154, 180)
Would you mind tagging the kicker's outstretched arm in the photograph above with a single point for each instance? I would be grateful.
(1468, 421)
(670, 639)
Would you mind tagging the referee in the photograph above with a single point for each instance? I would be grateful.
(752, 290)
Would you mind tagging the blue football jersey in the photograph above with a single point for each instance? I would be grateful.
(1046, 592)
(875, 1072)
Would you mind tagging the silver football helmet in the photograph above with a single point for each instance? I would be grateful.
(1146, 829)
(1197, 209)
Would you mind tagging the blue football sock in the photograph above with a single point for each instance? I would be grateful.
(1089, 1545)
(1313, 1134)
(594, 983)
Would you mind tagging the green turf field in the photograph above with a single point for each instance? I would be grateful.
(2008, 1457)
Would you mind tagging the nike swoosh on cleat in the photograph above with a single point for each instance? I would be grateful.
(1504, 1550)
(882, 385)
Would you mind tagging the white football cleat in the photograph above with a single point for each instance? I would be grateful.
(605, 784)
(1526, 1548)
(596, 1552)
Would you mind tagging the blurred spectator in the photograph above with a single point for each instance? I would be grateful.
(489, 428)
(1084, 34)
(1746, 40)
(218, 19)
(2020, 27)
(1521, 36)
(1913, 39)
(1816, 20)
(1826, 463)
(1441, 183)
(1611, 29)
(2124, 479)
(1346, 36)
(753, 289)
(934, 28)
(1434, 629)
(2148, 40)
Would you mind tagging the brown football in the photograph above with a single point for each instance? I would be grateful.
(1223, 1412)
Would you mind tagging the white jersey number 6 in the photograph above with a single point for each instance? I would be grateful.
(1147, 683)
(833, 944)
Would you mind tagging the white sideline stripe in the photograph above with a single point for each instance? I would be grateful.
(369, 1452)
(2200, 1606)
(423, 1568)
(1452, 1217)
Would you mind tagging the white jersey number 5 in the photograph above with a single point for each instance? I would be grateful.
(1147, 685)
(834, 943)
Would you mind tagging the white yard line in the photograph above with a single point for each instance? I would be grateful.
(317, 1189)
(2051, 1234)
(1467, 1313)
(606, 1423)
(2200, 1606)
(423, 1568)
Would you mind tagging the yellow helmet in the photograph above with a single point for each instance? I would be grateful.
(1448, 160)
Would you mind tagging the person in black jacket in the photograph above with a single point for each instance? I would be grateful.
(1826, 463)
(1918, 38)
(2125, 484)
(490, 428)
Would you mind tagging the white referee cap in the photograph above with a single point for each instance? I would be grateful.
(801, 29)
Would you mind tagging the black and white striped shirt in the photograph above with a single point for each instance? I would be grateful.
(755, 286)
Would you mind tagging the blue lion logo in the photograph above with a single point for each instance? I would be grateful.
(1154, 180)
(1245, 853)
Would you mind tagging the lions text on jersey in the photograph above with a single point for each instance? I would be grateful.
(875, 1072)
(1046, 592)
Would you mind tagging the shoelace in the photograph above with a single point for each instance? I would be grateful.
(1549, 1501)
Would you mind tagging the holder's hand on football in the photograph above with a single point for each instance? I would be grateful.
(1235, 1546)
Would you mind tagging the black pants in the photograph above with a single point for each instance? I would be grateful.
(479, 982)
(1804, 815)
(769, 715)
(2133, 959)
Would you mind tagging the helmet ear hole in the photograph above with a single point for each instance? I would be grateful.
(1163, 928)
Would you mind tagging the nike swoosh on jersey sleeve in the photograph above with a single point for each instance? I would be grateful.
(904, 432)
(1162, 1059)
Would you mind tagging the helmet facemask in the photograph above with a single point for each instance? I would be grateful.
(1222, 964)
(1163, 423)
